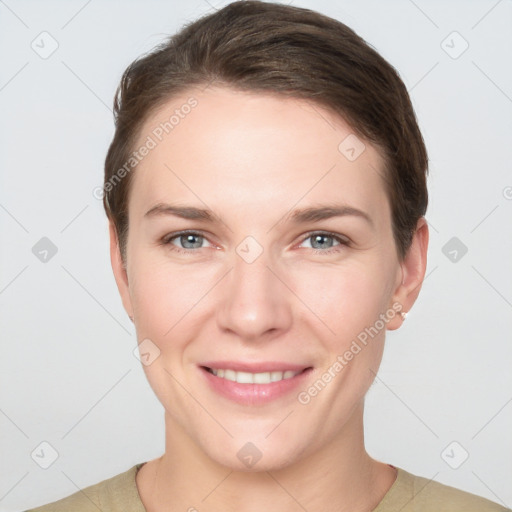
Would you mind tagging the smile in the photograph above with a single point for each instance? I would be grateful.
(253, 378)
(261, 386)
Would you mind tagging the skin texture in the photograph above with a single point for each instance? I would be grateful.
(252, 159)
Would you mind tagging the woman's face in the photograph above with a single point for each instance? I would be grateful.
(259, 283)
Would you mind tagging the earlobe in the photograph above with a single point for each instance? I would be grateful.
(413, 269)
(119, 269)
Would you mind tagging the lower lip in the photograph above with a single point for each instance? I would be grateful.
(254, 394)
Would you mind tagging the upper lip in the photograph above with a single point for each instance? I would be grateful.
(255, 367)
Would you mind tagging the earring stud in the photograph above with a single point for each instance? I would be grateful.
(404, 315)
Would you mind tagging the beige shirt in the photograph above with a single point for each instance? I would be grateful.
(409, 493)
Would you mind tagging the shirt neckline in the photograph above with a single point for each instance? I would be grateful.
(391, 493)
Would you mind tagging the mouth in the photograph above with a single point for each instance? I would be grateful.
(266, 381)
(253, 378)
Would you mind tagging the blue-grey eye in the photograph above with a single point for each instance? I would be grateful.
(324, 242)
(321, 240)
(187, 241)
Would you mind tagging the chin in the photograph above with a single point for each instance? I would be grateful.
(253, 457)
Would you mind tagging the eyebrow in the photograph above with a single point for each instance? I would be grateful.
(299, 216)
(315, 214)
(185, 212)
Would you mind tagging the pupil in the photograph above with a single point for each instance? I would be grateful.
(320, 237)
(190, 239)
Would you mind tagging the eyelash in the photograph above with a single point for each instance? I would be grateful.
(166, 240)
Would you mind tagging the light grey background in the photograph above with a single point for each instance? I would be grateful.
(68, 374)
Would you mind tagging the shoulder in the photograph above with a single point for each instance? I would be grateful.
(116, 494)
(415, 493)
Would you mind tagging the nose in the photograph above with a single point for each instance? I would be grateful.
(255, 302)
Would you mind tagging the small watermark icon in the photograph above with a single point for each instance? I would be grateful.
(249, 454)
(44, 250)
(454, 249)
(249, 249)
(455, 455)
(351, 147)
(454, 45)
(45, 45)
(44, 454)
(146, 352)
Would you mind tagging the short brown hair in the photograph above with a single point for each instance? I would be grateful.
(265, 47)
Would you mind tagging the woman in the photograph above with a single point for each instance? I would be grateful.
(266, 191)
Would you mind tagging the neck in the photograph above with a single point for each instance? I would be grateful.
(340, 477)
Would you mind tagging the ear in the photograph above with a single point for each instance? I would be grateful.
(413, 269)
(119, 269)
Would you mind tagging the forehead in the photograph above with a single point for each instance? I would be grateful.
(240, 149)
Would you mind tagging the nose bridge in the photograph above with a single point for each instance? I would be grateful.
(254, 301)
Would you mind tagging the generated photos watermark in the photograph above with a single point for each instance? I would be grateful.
(357, 345)
(157, 135)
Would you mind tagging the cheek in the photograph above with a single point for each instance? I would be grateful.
(337, 300)
(346, 299)
(163, 296)
(164, 303)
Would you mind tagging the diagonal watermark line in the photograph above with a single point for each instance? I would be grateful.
(14, 76)
(286, 491)
(301, 300)
(492, 81)
(424, 76)
(492, 211)
(286, 417)
(208, 84)
(76, 14)
(485, 15)
(74, 218)
(414, 496)
(14, 218)
(403, 402)
(501, 409)
(195, 193)
(431, 272)
(424, 14)
(187, 312)
(212, 6)
(489, 489)
(217, 486)
(493, 287)
(96, 300)
(13, 279)
(14, 485)
(14, 423)
(82, 492)
(109, 109)
(301, 198)
(432, 226)
(313, 106)
(81, 419)
(13, 13)
(199, 403)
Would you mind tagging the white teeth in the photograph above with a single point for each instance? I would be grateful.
(253, 378)
(244, 377)
(229, 374)
(276, 376)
